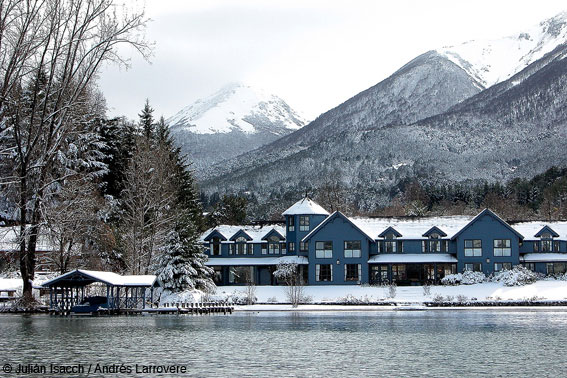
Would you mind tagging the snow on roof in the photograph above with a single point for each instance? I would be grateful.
(109, 278)
(301, 260)
(405, 258)
(255, 232)
(306, 206)
(9, 240)
(530, 229)
(411, 228)
(544, 257)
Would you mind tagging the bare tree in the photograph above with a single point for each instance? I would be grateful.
(291, 275)
(73, 223)
(148, 201)
(50, 53)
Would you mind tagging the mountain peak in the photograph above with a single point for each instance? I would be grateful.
(493, 61)
(235, 107)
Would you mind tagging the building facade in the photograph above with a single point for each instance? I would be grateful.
(333, 249)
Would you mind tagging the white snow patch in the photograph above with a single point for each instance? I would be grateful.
(227, 109)
(305, 206)
(493, 61)
(545, 290)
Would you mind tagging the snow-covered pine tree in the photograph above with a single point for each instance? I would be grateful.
(181, 265)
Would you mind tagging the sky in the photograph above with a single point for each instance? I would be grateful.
(313, 54)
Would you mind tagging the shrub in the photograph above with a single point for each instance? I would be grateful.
(466, 278)
(426, 290)
(517, 276)
(462, 298)
(438, 298)
(449, 298)
(392, 289)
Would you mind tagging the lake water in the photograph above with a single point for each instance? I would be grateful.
(354, 344)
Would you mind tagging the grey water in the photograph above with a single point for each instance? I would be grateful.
(441, 343)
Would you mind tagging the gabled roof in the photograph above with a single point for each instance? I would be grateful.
(532, 228)
(214, 233)
(254, 232)
(239, 234)
(433, 230)
(546, 229)
(493, 215)
(305, 206)
(81, 277)
(273, 232)
(336, 214)
(389, 230)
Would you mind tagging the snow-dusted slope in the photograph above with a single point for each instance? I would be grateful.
(235, 108)
(493, 61)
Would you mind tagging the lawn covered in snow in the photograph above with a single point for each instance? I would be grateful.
(490, 291)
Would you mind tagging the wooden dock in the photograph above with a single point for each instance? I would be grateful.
(199, 308)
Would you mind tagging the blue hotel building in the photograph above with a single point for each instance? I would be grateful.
(333, 249)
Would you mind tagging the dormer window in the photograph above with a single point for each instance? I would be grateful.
(304, 223)
(390, 244)
(545, 244)
(546, 241)
(215, 247)
(240, 245)
(434, 243)
(273, 245)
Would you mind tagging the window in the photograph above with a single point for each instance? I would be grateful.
(304, 223)
(473, 247)
(399, 272)
(498, 267)
(475, 267)
(273, 245)
(502, 247)
(379, 273)
(434, 243)
(291, 247)
(215, 247)
(241, 274)
(217, 276)
(283, 248)
(556, 268)
(324, 250)
(291, 224)
(556, 245)
(250, 248)
(323, 272)
(536, 246)
(303, 246)
(352, 249)
(264, 248)
(353, 272)
(530, 266)
(240, 245)
(390, 246)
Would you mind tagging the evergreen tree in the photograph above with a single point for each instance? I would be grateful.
(182, 263)
(147, 120)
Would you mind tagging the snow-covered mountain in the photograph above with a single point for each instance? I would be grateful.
(232, 121)
(493, 61)
(430, 120)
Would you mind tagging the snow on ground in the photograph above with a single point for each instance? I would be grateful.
(543, 290)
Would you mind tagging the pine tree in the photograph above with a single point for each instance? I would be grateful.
(182, 263)
(147, 120)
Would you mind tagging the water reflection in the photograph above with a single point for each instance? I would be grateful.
(433, 343)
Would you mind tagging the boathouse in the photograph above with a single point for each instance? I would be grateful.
(114, 291)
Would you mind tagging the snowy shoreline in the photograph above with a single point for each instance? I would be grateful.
(373, 308)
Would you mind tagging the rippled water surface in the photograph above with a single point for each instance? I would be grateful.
(353, 344)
